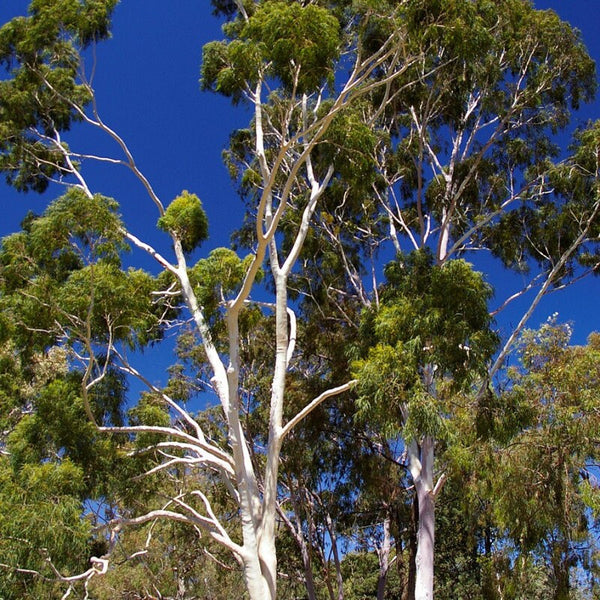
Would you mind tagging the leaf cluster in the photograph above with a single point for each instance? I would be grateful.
(43, 93)
(287, 41)
(432, 321)
(186, 220)
(62, 271)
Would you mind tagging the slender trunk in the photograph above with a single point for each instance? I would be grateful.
(309, 581)
(336, 558)
(425, 543)
(300, 538)
(421, 467)
(384, 558)
(561, 567)
(249, 498)
(412, 551)
(328, 583)
(267, 552)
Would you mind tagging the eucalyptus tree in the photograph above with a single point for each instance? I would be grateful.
(545, 444)
(430, 338)
(456, 155)
(299, 67)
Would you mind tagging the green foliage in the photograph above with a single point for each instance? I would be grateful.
(41, 520)
(300, 42)
(350, 145)
(360, 575)
(417, 352)
(176, 563)
(73, 231)
(432, 319)
(554, 222)
(63, 270)
(52, 461)
(42, 94)
(525, 476)
(112, 302)
(294, 43)
(185, 218)
(89, 228)
(57, 428)
(217, 277)
(559, 72)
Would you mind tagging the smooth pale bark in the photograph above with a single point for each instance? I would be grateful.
(336, 557)
(421, 462)
(421, 458)
(267, 551)
(412, 553)
(383, 554)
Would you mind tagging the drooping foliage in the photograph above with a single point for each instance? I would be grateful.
(44, 93)
(430, 317)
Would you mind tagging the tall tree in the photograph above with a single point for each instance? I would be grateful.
(430, 338)
(375, 121)
(62, 275)
(464, 159)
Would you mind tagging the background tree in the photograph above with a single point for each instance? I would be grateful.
(65, 268)
(549, 446)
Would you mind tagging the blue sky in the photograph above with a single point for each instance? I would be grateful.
(147, 87)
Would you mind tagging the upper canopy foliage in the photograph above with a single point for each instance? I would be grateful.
(43, 92)
(287, 41)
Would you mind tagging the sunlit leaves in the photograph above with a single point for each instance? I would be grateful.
(62, 273)
(285, 40)
(88, 227)
(185, 218)
(448, 312)
(114, 303)
(75, 230)
(217, 277)
(544, 226)
(300, 42)
(533, 458)
(44, 93)
(350, 145)
(228, 68)
(40, 521)
(52, 460)
(433, 323)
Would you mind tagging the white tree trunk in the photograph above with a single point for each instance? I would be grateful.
(421, 467)
(383, 554)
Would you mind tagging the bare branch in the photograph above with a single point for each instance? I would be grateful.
(312, 405)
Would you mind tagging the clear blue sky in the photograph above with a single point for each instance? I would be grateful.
(147, 87)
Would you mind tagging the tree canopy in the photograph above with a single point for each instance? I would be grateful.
(341, 411)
